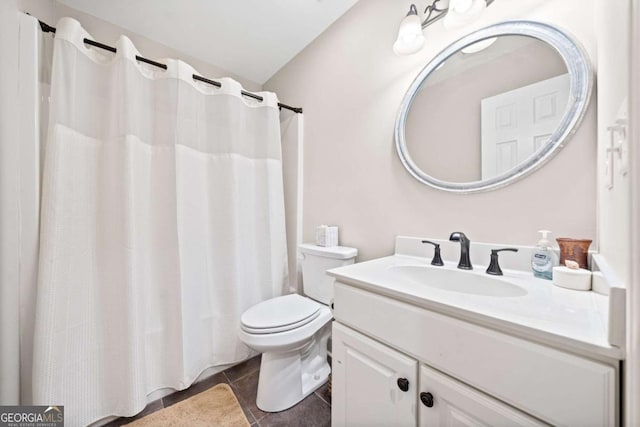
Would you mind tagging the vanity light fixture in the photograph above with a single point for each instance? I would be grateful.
(458, 14)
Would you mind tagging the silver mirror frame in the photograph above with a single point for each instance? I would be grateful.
(580, 82)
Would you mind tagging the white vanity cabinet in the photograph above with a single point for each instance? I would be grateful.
(376, 385)
(475, 375)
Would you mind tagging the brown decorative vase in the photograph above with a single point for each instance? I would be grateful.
(574, 249)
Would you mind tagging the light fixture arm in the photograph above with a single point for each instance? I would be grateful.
(457, 14)
(433, 8)
(429, 10)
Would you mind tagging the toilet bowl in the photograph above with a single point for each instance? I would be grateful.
(292, 331)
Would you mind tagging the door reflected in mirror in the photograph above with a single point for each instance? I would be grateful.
(481, 114)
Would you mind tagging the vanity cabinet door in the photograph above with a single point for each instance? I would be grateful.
(373, 385)
(445, 402)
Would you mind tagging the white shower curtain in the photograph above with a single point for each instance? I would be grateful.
(162, 221)
(292, 132)
(26, 53)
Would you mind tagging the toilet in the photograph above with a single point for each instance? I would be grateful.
(291, 331)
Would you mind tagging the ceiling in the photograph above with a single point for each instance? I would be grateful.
(251, 38)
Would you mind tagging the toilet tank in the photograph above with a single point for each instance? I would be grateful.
(316, 260)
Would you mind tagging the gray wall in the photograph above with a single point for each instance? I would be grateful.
(350, 84)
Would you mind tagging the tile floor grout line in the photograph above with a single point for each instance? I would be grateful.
(256, 418)
(243, 404)
(321, 398)
(244, 376)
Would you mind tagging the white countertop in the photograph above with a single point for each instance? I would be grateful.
(567, 319)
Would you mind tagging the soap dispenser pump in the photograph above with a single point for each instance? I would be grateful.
(543, 257)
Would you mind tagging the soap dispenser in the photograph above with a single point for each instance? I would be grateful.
(543, 258)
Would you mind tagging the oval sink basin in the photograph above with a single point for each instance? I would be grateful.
(459, 281)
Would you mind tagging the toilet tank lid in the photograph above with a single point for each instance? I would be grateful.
(339, 252)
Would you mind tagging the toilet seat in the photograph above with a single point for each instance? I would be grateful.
(280, 314)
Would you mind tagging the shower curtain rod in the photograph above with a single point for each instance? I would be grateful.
(49, 29)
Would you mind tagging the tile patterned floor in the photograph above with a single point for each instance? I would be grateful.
(314, 411)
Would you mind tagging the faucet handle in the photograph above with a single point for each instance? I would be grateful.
(494, 267)
(437, 259)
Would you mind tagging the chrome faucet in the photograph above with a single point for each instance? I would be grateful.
(465, 261)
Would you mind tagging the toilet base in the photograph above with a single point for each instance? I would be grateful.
(287, 378)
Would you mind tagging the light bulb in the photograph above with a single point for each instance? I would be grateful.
(462, 12)
(410, 38)
(461, 6)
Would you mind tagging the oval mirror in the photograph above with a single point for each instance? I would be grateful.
(493, 107)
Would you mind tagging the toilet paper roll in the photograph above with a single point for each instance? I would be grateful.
(578, 279)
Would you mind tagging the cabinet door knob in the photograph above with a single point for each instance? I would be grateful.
(403, 384)
(426, 399)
